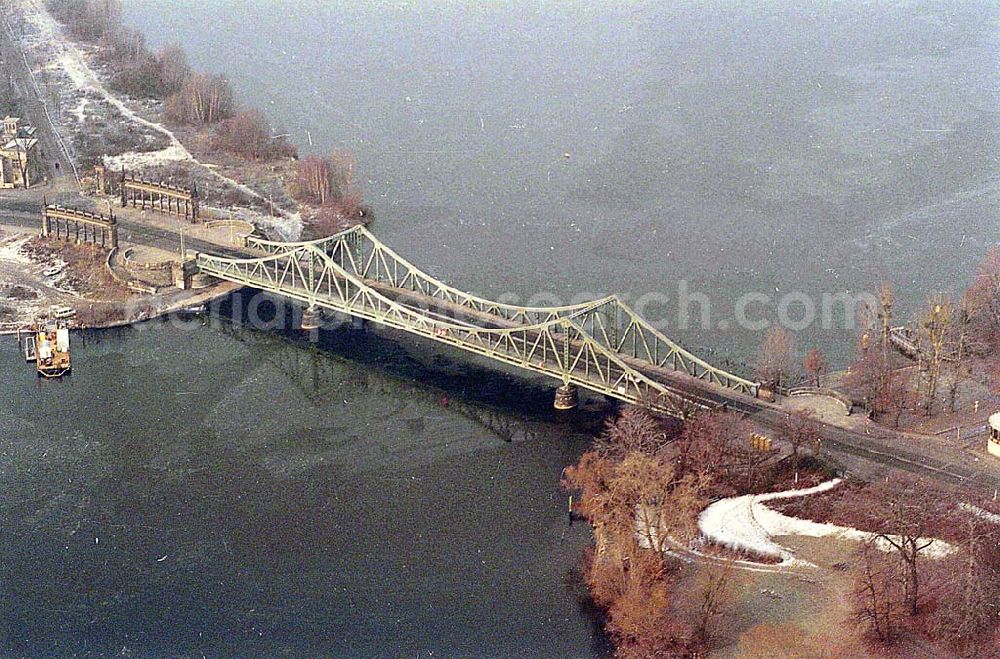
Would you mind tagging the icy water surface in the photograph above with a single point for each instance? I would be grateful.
(594, 147)
(200, 491)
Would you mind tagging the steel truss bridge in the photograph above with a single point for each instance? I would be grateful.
(603, 345)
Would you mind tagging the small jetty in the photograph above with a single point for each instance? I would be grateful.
(47, 348)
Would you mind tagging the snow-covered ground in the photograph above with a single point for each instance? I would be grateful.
(13, 261)
(745, 523)
(980, 513)
(67, 59)
(11, 250)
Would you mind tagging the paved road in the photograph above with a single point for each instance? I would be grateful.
(28, 215)
(848, 446)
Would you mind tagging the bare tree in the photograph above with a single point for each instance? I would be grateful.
(877, 592)
(174, 68)
(248, 134)
(969, 608)
(202, 99)
(313, 180)
(906, 517)
(799, 429)
(815, 365)
(715, 595)
(633, 429)
(88, 20)
(895, 396)
(776, 359)
(666, 506)
(715, 445)
(328, 181)
(936, 330)
(885, 303)
(964, 316)
(984, 293)
(869, 377)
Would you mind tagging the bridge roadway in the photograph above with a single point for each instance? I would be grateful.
(852, 449)
(856, 451)
(838, 440)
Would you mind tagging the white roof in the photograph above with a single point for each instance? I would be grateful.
(21, 144)
(995, 420)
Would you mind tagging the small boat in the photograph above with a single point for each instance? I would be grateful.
(53, 271)
(52, 352)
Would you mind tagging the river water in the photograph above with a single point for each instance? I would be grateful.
(205, 490)
(199, 489)
(583, 148)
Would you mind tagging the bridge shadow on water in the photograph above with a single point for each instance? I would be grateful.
(497, 396)
(297, 522)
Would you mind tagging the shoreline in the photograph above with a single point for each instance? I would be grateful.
(168, 300)
(49, 47)
(201, 297)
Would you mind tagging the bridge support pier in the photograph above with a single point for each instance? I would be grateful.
(567, 397)
(358, 323)
(311, 318)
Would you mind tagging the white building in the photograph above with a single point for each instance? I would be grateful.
(993, 444)
(17, 154)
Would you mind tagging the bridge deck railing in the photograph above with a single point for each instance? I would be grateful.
(355, 255)
(559, 348)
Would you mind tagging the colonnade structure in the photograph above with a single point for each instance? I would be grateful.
(80, 226)
(161, 197)
(602, 345)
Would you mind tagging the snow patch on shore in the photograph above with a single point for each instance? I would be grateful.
(68, 59)
(137, 159)
(746, 524)
(980, 513)
(12, 250)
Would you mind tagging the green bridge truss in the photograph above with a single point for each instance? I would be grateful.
(601, 345)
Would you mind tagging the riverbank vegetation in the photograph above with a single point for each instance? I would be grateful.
(201, 110)
(934, 372)
(950, 379)
(663, 592)
(85, 267)
(641, 487)
(901, 587)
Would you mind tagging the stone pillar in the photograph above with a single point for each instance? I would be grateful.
(566, 397)
(101, 183)
(311, 318)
